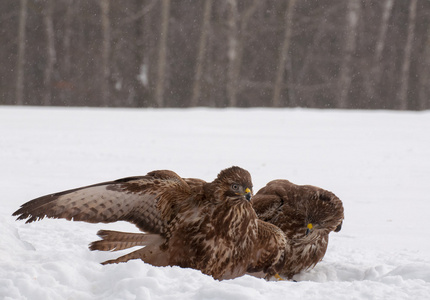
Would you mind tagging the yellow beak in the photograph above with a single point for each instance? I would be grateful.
(248, 194)
(309, 228)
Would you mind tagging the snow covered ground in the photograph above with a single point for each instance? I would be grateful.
(377, 162)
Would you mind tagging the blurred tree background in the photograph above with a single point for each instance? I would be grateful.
(372, 54)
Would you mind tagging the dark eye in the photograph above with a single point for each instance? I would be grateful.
(235, 187)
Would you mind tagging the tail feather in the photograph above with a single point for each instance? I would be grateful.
(115, 240)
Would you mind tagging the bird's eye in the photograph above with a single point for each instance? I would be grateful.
(235, 187)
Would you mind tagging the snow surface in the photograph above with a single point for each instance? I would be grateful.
(377, 162)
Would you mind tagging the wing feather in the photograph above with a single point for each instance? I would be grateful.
(270, 249)
(132, 199)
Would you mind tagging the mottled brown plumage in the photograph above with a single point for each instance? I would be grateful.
(292, 208)
(211, 227)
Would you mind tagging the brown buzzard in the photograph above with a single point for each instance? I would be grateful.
(211, 227)
(307, 214)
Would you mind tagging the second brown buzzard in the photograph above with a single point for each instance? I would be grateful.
(211, 227)
(306, 214)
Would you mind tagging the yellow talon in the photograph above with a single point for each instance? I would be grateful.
(278, 277)
(310, 226)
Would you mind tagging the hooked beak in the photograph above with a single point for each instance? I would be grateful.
(339, 227)
(309, 228)
(248, 194)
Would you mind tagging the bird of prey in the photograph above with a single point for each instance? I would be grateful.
(306, 214)
(190, 223)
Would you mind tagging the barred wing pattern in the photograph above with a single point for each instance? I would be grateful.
(132, 199)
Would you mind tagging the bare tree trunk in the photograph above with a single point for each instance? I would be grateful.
(374, 80)
(19, 91)
(345, 76)
(51, 55)
(233, 16)
(201, 53)
(104, 6)
(283, 53)
(142, 47)
(150, 64)
(67, 82)
(404, 78)
(162, 55)
(236, 40)
(424, 78)
(67, 38)
(380, 43)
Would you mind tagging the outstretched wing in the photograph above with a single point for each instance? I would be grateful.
(132, 199)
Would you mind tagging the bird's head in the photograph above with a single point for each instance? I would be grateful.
(325, 213)
(234, 183)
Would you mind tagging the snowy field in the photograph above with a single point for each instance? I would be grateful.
(377, 163)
